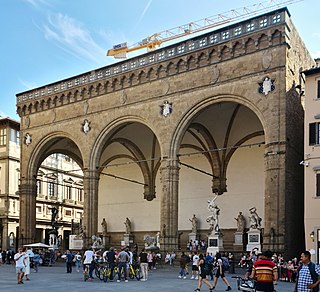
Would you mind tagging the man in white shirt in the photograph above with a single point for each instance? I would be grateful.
(88, 258)
(20, 265)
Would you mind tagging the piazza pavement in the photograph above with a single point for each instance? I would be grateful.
(55, 278)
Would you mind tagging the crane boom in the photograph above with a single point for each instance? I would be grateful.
(155, 40)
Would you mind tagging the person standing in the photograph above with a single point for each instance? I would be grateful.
(111, 259)
(123, 259)
(308, 275)
(195, 268)
(69, 261)
(78, 261)
(36, 261)
(220, 273)
(88, 258)
(265, 272)
(143, 259)
(183, 263)
(20, 266)
(27, 262)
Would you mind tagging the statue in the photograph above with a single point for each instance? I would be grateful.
(213, 220)
(54, 213)
(194, 221)
(241, 222)
(104, 227)
(127, 223)
(164, 230)
(158, 239)
(255, 220)
(96, 241)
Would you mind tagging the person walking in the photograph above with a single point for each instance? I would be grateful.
(20, 266)
(26, 263)
(308, 274)
(143, 259)
(36, 261)
(265, 272)
(123, 259)
(220, 273)
(78, 261)
(202, 274)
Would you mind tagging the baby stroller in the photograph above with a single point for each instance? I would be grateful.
(245, 284)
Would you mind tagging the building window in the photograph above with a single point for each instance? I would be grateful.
(39, 209)
(318, 185)
(3, 137)
(51, 188)
(314, 134)
(68, 213)
(80, 195)
(39, 187)
(68, 192)
(318, 90)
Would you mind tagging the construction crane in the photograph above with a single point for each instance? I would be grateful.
(155, 40)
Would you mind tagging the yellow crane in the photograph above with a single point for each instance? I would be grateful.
(152, 42)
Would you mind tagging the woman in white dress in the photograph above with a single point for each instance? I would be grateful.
(27, 264)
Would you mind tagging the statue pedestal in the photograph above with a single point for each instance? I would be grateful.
(254, 236)
(127, 240)
(192, 236)
(215, 243)
(106, 241)
(238, 241)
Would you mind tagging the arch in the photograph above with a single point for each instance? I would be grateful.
(237, 49)
(263, 41)
(276, 37)
(56, 142)
(250, 45)
(197, 108)
(107, 133)
(225, 53)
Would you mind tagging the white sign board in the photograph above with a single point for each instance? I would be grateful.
(75, 243)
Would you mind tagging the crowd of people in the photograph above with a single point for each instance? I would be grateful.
(264, 268)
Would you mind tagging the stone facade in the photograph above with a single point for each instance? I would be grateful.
(201, 78)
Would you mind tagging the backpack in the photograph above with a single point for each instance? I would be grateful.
(313, 273)
(225, 264)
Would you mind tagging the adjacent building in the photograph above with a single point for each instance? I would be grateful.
(311, 160)
(59, 184)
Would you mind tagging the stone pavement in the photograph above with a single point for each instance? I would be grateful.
(56, 279)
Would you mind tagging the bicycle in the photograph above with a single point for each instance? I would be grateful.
(134, 272)
(245, 284)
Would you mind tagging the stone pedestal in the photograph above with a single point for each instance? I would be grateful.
(238, 241)
(192, 236)
(254, 240)
(215, 243)
(106, 241)
(127, 240)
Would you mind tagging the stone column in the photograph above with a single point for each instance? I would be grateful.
(90, 218)
(169, 205)
(27, 219)
(274, 217)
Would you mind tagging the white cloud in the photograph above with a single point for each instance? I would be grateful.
(72, 37)
(316, 54)
(38, 3)
(143, 12)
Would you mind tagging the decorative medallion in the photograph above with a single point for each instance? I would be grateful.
(166, 109)
(27, 139)
(266, 86)
(86, 126)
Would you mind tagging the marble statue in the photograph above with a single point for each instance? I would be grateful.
(255, 220)
(194, 221)
(104, 227)
(127, 223)
(213, 219)
(241, 222)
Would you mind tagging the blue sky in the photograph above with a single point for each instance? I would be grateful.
(44, 41)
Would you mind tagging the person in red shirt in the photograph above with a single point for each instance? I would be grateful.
(264, 272)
